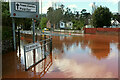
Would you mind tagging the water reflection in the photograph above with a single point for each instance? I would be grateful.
(44, 66)
(99, 47)
(88, 56)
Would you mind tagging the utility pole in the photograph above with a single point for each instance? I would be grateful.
(41, 9)
(41, 18)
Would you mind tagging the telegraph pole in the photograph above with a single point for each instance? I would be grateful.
(41, 9)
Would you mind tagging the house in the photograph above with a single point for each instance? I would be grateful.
(62, 25)
(69, 25)
(89, 26)
(48, 24)
(115, 23)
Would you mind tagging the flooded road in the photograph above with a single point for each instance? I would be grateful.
(84, 56)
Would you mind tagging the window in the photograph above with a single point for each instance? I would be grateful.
(61, 24)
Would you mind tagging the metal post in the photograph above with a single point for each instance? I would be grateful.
(14, 41)
(36, 36)
(40, 21)
(40, 36)
(25, 58)
(34, 60)
(33, 31)
(19, 39)
(51, 45)
(45, 46)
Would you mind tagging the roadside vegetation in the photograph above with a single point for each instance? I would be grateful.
(43, 23)
(101, 17)
(79, 19)
(6, 28)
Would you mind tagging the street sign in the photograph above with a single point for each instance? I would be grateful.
(32, 46)
(24, 9)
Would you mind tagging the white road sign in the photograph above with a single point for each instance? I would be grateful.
(24, 9)
(32, 46)
(19, 6)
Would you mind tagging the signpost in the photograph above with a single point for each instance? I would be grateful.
(33, 30)
(14, 41)
(24, 9)
(20, 9)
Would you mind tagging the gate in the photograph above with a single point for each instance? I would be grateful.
(42, 49)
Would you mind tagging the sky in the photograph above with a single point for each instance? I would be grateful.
(78, 5)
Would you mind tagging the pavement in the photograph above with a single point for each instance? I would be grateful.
(52, 33)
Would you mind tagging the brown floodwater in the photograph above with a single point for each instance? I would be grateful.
(83, 56)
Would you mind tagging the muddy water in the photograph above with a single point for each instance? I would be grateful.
(85, 56)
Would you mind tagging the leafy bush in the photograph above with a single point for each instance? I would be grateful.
(102, 17)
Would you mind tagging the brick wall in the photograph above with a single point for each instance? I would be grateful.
(94, 30)
(90, 30)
